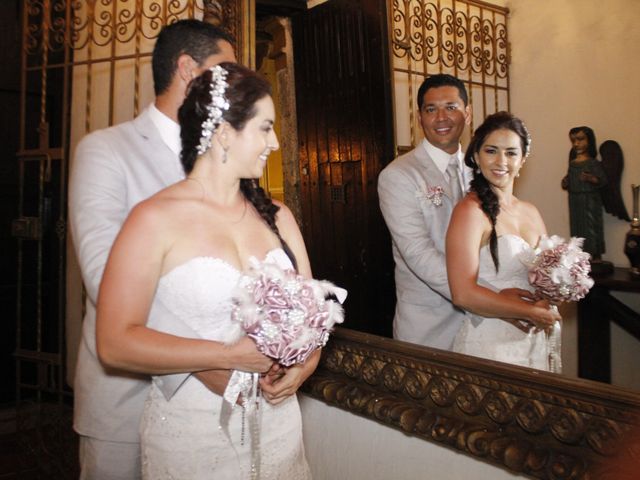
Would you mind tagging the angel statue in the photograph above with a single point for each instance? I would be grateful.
(593, 184)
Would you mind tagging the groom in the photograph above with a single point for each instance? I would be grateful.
(114, 169)
(417, 194)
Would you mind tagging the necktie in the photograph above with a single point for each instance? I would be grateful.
(454, 180)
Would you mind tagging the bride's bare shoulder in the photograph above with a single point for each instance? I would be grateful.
(469, 205)
(163, 209)
(468, 215)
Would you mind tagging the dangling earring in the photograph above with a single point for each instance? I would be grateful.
(224, 155)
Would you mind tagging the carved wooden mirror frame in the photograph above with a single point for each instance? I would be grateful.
(532, 422)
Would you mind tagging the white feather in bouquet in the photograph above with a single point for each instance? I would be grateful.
(287, 315)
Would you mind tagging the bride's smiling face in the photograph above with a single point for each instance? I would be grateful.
(500, 158)
(256, 140)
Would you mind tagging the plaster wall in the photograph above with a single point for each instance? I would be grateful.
(574, 63)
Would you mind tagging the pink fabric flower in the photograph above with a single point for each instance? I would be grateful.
(287, 315)
(433, 194)
(559, 270)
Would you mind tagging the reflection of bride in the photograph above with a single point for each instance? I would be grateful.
(184, 250)
(489, 230)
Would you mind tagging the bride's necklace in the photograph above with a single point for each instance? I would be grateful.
(204, 197)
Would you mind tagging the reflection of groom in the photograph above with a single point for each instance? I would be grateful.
(417, 193)
(113, 170)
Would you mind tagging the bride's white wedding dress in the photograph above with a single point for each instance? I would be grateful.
(182, 438)
(494, 338)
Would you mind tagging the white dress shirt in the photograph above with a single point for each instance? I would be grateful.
(442, 159)
(169, 130)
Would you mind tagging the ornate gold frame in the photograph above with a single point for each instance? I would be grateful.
(532, 422)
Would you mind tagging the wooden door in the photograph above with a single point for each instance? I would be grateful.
(345, 138)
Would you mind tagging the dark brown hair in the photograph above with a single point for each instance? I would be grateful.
(197, 39)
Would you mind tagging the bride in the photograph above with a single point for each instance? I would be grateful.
(489, 229)
(184, 249)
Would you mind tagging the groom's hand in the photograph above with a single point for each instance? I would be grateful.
(214, 380)
(519, 294)
(523, 325)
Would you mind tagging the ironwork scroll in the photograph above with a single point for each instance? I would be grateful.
(465, 38)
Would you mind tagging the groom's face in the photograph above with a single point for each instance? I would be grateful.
(443, 117)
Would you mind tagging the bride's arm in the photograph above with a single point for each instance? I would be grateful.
(465, 235)
(126, 293)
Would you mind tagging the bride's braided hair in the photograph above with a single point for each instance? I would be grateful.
(267, 210)
(479, 184)
(244, 89)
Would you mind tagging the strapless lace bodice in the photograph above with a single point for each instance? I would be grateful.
(495, 338)
(512, 272)
(181, 436)
(199, 292)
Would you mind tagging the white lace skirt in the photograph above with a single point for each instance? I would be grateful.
(182, 439)
(496, 339)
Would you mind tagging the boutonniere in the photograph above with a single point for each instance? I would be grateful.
(433, 194)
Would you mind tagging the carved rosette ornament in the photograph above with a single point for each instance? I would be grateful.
(534, 423)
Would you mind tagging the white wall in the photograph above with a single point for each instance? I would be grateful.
(575, 62)
(343, 445)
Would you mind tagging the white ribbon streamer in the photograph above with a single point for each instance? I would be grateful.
(248, 385)
(554, 341)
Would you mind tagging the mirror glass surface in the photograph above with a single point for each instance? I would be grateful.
(556, 82)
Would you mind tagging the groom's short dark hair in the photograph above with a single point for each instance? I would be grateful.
(195, 38)
(442, 80)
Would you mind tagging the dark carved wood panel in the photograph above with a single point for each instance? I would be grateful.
(345, 139)
(535, 423)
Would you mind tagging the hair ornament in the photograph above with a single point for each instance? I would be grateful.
(219, 104)
(527, 148)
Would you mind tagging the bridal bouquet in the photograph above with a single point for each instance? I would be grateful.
(559, 270)
(288, 316)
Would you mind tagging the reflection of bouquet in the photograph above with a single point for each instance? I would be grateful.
(559, 270)
(287, 315)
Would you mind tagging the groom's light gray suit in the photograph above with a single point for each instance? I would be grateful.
(114, 169)
(408, 191)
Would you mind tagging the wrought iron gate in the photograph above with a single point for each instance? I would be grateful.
(85, 65)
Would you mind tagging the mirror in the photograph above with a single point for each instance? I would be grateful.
(553, 83)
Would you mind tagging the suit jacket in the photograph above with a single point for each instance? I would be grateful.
(418, 218)
(114, 169)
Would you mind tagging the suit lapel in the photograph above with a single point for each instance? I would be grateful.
(433, 176)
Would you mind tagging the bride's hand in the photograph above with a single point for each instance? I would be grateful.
(282, 382)
(544, 315)
(246, 357)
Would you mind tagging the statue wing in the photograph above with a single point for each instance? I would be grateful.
(613, 164)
